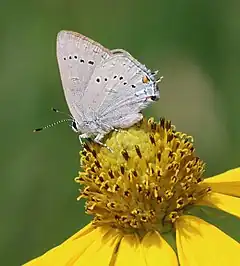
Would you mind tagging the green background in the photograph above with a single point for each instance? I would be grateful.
(194, 44)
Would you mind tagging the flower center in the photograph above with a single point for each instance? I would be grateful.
(146, 182)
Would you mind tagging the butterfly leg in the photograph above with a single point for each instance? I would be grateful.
(98, 139)
(82, 136)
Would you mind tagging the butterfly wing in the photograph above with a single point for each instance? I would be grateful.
(117, 92)
(78, 57)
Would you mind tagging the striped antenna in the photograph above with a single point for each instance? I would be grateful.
(60, 112)
(57, 122)
(52, 125)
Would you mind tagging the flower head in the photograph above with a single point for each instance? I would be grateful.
(146, 182)
(142, 190)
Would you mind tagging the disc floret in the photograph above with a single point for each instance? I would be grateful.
(151, 176)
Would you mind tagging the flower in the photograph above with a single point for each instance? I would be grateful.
(144, 190)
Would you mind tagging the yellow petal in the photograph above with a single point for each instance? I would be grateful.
(224, 202)
(226, 183)
(201, 244)
(130, 252)
(69, 252)
(102, 250)
(34, 262)
(85, 230)
(156, 250)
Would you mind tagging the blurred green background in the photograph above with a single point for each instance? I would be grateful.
(194, 44)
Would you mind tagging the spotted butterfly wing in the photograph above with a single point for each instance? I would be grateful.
(104, 89)
(118, 90)
(77, 58)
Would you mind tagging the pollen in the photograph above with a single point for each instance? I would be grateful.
(146, 182)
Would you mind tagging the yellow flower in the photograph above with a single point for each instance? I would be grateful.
(142, 191)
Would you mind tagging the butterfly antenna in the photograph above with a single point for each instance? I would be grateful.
(52, 125)
(60, 112)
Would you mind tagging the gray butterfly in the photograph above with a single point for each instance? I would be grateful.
(104, 89)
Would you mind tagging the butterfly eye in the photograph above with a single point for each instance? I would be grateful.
(74, 126)
(145, 79)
